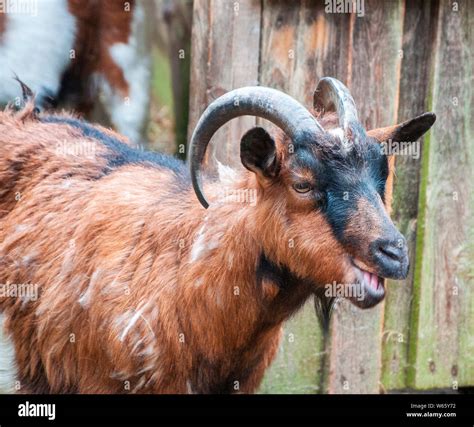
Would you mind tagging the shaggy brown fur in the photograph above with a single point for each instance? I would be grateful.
(142, 290)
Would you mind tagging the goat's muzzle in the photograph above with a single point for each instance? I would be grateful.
(389, 260)
(391, 257)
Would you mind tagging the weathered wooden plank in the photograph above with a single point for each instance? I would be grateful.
(418, 31)
(296, 368)
(177, 18)
(199, 67)
(355, 350)
(442, 341)
(225, 55)
(300, 44)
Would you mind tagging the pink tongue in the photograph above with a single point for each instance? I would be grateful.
(371, 279)
(367, 277)
(374, 281)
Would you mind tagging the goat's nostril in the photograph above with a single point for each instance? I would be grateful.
(391, 251)
(391, 258)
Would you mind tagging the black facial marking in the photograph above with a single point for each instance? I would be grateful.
(305, 159)
(280, 275)
(343, 175)
(287, 283)
(378, 168)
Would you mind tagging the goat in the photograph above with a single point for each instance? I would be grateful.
(69, 52)
(140, 289)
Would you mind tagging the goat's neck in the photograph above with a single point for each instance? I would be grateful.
(232, 283)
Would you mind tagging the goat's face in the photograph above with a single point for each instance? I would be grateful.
(327, 189)
(331, 195)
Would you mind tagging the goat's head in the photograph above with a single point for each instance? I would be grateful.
(328, 186)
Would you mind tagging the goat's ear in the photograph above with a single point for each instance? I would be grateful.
(258, 153)
(408, 131)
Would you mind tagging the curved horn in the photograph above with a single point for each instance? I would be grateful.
(331, 94)
(281, 109)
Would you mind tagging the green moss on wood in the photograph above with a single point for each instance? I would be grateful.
(420, 237)
(296, 368)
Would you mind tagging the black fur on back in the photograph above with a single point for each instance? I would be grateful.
(121, 154)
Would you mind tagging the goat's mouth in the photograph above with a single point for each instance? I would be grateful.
(369, 287)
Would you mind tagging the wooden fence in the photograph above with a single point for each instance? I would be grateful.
(400, 59)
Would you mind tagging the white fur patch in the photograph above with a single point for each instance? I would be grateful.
(204, 243)
(199, 244)
(130, 318)
(230, 260)
(85, 298)
(337, 132)
(129, 115)
(141, 382)
(189, 387)
(130, 323)
(8, 368)
(21, 228)
(36, 48)
(199, 282)
(227, 175)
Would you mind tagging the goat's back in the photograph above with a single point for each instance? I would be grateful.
(82, 213)
(57, 150)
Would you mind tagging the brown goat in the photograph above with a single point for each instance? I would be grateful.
(140, 289)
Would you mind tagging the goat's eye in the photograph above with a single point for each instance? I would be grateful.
(302, 187)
